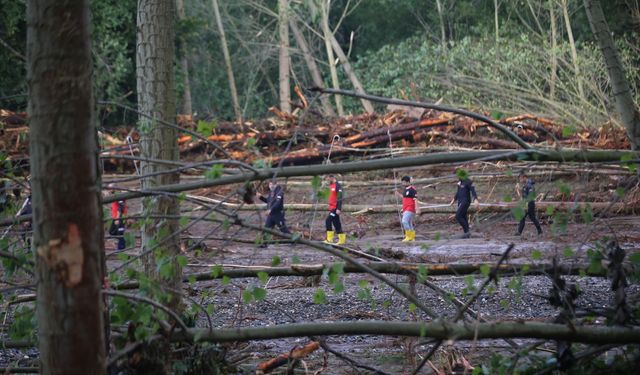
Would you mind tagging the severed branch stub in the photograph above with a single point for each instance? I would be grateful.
(282, 359)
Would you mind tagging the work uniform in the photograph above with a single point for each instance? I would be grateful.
(409, 212)
(333, 219)
(463, 197)
(528, 193)
(275, 205)
(118, 210)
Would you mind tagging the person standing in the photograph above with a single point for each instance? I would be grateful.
(463, 196)
(526, 191)
(275, 208)
(410, 209)
(118, 210)
(335, 207)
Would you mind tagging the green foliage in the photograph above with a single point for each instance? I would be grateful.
(206, 128)
(24, 323)
(319, 297)
(214, 172)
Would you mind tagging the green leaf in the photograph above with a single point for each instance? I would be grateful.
(182, 260)
(363, 283)
(338, 287)
(183, 221)
(568, 131)
(247, 296)
(216, 271)
(437, 236)
(275, 261)
(205, 128)
(129, 239)
(507, 198)
(259, 293)
(485, 269)
(295, 259)
(319, 297)
(567, 252)
(565, 189)
(214, 172)
(422, 273)
(191, 279)
(251, 143)
(635, 258)
(462, 174)
(536, 254)
(263, 277)
(518, 212)
(504, 303)
(423, 330)
(316, 183)
(620, 192)
(226, 280)
(123, 257)
(550, 210)
(412, 307)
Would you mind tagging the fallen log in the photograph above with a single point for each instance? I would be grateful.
(283, 359)
(220, 271)
(440, 329)
(399, 128)
(359, 209)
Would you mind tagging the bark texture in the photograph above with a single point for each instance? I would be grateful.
(68, 236)
(156, 98)
(187, 103)
(283, 57)
(623, 98)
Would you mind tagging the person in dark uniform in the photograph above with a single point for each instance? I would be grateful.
(117, 228)
(335, 207)
(463, 196)
(275, 208)
(526, 191)
(410, 209)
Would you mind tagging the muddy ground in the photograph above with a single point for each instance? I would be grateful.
(291, 299)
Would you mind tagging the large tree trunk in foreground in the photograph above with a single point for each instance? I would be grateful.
(622, 95)
(67, 220)
(156, 98)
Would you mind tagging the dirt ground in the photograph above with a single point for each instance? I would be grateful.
(291, 299)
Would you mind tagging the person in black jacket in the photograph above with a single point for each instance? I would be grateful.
(526, 191)
(275, 208)
(463, 196)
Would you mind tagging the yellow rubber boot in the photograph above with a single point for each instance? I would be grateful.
(342, 238)
(329, 239)
(407, 236)
(411, 235)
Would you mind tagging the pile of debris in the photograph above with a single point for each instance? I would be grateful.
(297, 139)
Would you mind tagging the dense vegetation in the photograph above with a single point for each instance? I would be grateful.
(397, 48)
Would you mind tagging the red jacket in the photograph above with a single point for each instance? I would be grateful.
(116, 212)
(409, 199)
(335, 196)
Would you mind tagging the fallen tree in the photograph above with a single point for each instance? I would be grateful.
(220, 271)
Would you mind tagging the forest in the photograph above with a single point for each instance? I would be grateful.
(317, 186)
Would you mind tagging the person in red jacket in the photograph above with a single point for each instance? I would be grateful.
(410, 209)
(335, 207)
(118, 210)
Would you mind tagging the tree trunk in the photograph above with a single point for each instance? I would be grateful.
(187, 104)
(156, 98)
(496, 8)
(283, 58)
(443, 34)
(622, 95)
(554, 50)
(574, 52)
(312, 66)
(67, 213)
(327, 34)
(227, 61)
(350, 73)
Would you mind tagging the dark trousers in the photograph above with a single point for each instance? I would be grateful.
(333, 221)
(277, 219)
(121, 243)
(461, 215)
(531, 212)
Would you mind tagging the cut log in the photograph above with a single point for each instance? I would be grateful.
(283, 359)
